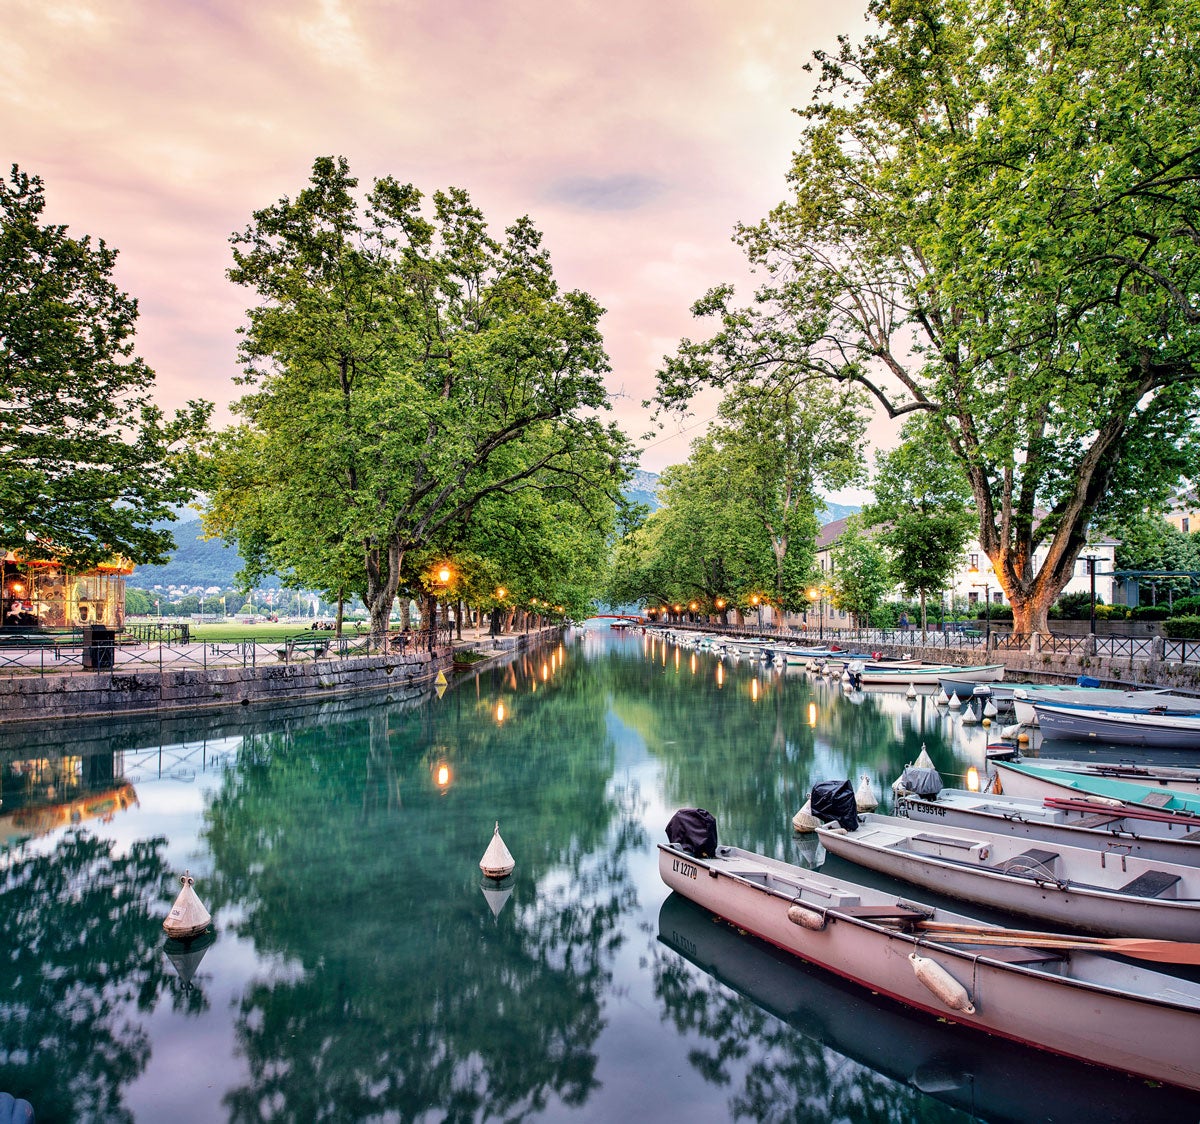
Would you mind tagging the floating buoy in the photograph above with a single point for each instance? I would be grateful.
(986, 722)
(804, 820)
(968, 715)
(1022, 738)
(942, 984)
(496, 861)
(441, 679)
(806, 918)
(188, 917)
(955, 702)
(989, 709)
(1007, 733)
(923, 761)
(941, 698)
(864, 798)
(911, 693)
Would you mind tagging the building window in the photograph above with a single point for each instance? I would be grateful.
(974, 562)
(1184, 527)
(972, 598)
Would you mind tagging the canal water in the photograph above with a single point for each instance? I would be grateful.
(362, 969)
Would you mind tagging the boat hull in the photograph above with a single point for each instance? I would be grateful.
(929, 676)
(1025, 778)
(1077, 1017)
(1118, 727)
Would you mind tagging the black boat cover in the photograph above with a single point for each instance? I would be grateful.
(693, 830)
(834, 800)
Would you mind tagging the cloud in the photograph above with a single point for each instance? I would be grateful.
(605, 193)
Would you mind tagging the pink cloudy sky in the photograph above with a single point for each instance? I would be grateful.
(636, 133)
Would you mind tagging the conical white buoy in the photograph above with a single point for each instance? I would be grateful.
(188, 917)
(923, 761)
(804, 820)
(911, 693)
(941, 699)
(864, 798)
(989, 709)
(1007, 733)
(496, 861)
(968, 715)
(955, 702)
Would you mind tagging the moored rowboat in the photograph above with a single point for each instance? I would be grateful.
(1072, 886)
(1072, 823)
(1027, 778)
(1079, 1003)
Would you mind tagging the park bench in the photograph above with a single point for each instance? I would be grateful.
(315, 643)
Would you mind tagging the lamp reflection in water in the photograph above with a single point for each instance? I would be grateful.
(812, 713)
(972, 779)
(500, 712)
(754, 689)
(720, 675)
(442, 776)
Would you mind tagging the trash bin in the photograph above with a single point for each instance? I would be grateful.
(98, 646)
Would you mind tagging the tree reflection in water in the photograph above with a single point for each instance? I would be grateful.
(80, 930)
(398, 992)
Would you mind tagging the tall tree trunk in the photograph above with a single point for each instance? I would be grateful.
(383, 579)
(341, 608)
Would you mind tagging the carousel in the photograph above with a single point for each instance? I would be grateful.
(42, 595)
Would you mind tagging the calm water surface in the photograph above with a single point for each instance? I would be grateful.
(362, 968)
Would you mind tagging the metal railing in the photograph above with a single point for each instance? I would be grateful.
(66, 653)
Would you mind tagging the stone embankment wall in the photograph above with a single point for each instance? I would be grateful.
(31, 698)
(1056, 667)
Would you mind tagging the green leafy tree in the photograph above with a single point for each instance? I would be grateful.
(922, 508)
(403, 370)
(1149, 542)
(992, 221)
(781, 447)
(861, 576)
(88, 463)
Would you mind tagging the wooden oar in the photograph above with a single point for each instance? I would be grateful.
(1165, 952)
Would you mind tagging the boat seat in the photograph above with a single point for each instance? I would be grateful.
(1157, 799)
(1097, 820)
(1033, 861)
(1152, 884)
(1020, 955)
(946, 841)
(883, 912)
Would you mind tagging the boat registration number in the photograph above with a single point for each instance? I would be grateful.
(686, 869)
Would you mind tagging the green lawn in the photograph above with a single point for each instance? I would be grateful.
(264, 633)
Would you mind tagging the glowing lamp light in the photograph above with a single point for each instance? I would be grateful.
(720, 603)
(499, 712)
(501, 593)
(812, 713)
(444, 575)
(754, 599)
(442, 776)
(972, 779)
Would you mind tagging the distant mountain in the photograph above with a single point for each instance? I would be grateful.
(836, 511)
(643, 488)
(195, 562)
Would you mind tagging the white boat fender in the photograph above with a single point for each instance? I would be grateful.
(864, 798)
(806, 918)
(804, 820)
(942, 984)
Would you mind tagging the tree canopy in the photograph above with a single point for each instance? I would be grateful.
(405, 371)
(88, 463)
(993, 219)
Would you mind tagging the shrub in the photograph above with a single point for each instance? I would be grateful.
(1181, 607)
(1074, 607)
(1183, 628)
(1149, 613)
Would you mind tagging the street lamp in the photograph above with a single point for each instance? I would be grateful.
(987, 612)
(754, 600)
(814, 594)
(1091, 565)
